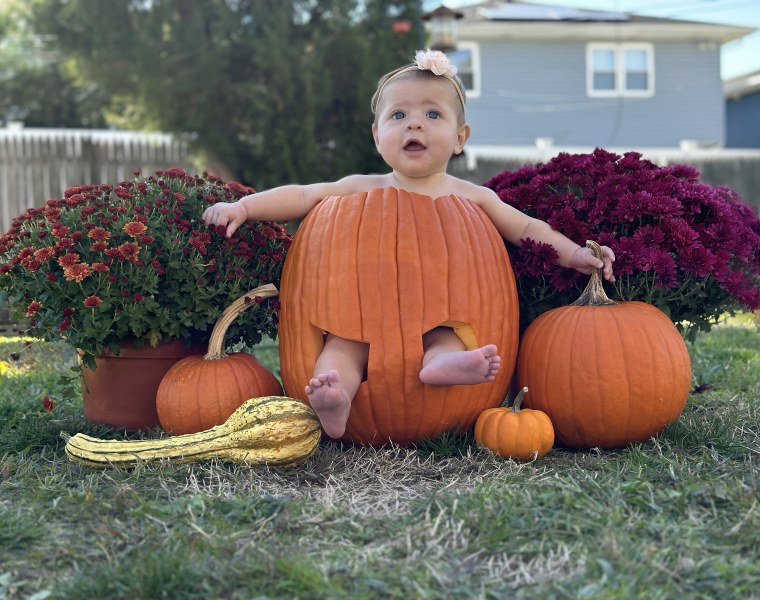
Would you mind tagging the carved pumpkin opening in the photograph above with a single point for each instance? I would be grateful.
(464, 332)
(318, 337)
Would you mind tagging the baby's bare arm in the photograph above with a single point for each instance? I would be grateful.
(515, 226)
(283, 203)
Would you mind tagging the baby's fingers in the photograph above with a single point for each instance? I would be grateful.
(609, 258)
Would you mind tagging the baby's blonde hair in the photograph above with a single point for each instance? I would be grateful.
(412, 71)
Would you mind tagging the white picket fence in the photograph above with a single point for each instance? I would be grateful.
(39, 164)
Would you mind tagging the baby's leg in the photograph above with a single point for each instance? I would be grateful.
(446, 362)
(337, 374)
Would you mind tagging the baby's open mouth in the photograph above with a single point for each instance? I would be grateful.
(414, 146)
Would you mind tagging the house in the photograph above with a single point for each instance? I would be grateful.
(743, 111)
(551, 77)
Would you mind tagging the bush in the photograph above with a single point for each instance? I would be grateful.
(689, 248)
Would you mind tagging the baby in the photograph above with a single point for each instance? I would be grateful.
(419, 124)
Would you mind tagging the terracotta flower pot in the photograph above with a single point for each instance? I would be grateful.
(121, 391)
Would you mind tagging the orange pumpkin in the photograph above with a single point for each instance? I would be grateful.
(513, 433)
(606, 373)
(200, 392)
(384, 267)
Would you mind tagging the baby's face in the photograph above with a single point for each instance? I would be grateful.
(418, 128)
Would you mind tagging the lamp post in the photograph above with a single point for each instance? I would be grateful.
(443, 28)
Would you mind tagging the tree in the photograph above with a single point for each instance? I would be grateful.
(277, 91)
(35, 86)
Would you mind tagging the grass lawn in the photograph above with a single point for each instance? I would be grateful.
(675, 517)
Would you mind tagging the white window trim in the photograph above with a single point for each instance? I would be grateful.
(619, 50)
(474, 49)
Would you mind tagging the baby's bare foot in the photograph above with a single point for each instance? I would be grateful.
(464, 367)
(330, 402)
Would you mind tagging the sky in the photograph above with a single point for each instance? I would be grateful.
(737, 58)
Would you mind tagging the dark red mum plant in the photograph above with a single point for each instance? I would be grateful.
(103, 264)
(689, 248)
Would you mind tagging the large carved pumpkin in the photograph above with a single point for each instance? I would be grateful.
(384, 267)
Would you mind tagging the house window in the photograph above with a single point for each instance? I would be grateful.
(620, 70)
(466, 58)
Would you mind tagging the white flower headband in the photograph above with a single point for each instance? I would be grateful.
(434, 61)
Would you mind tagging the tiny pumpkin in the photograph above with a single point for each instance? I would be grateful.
(514, 433)
(201, 391)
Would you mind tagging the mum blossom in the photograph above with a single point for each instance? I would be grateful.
(33, 308)
(76, 272)
(92, 301)
(135, 228)
(99, 233)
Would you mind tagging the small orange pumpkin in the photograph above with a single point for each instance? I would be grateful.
(606, 373)
(513, 433)
(384, 267)
(200, 392)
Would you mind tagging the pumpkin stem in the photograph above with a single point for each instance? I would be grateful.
(216, 342)
(594, 294)
(518, 399)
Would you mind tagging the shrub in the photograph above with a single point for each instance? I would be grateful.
(689, 248)
(103, 264)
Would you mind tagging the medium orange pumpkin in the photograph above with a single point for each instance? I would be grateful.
(607, 373)
(513, 433)
(200, 392)
(384, 267)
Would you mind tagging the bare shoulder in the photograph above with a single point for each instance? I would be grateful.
(480, 195)
(351, 184)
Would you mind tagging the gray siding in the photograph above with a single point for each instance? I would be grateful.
(743, 121)
(538, 89)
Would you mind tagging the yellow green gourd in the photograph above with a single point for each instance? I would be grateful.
(273, 430)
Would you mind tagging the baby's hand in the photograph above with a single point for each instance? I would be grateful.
(584, 260)
(227, 214)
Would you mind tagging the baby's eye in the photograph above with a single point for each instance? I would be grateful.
(433, 114)
(397, 115)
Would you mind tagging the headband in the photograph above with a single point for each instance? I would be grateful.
(434, 61)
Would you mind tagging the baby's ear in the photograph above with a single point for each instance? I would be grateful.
(374, 134)
(462, 136)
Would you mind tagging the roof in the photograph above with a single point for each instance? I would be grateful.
(526, 20)
(737, 87)
(509, 11)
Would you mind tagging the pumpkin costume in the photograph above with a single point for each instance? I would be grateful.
(384, 267)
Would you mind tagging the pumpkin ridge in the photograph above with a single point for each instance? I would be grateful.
(460, 271)
(494, 248)
(409, 268)
(477, 260)
(652, 374)
(618, 417)
(429, 320)
(573, 368)
(323, 302)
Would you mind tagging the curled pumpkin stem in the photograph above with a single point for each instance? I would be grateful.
(216, 341)
(594, 294)
(518, 399)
